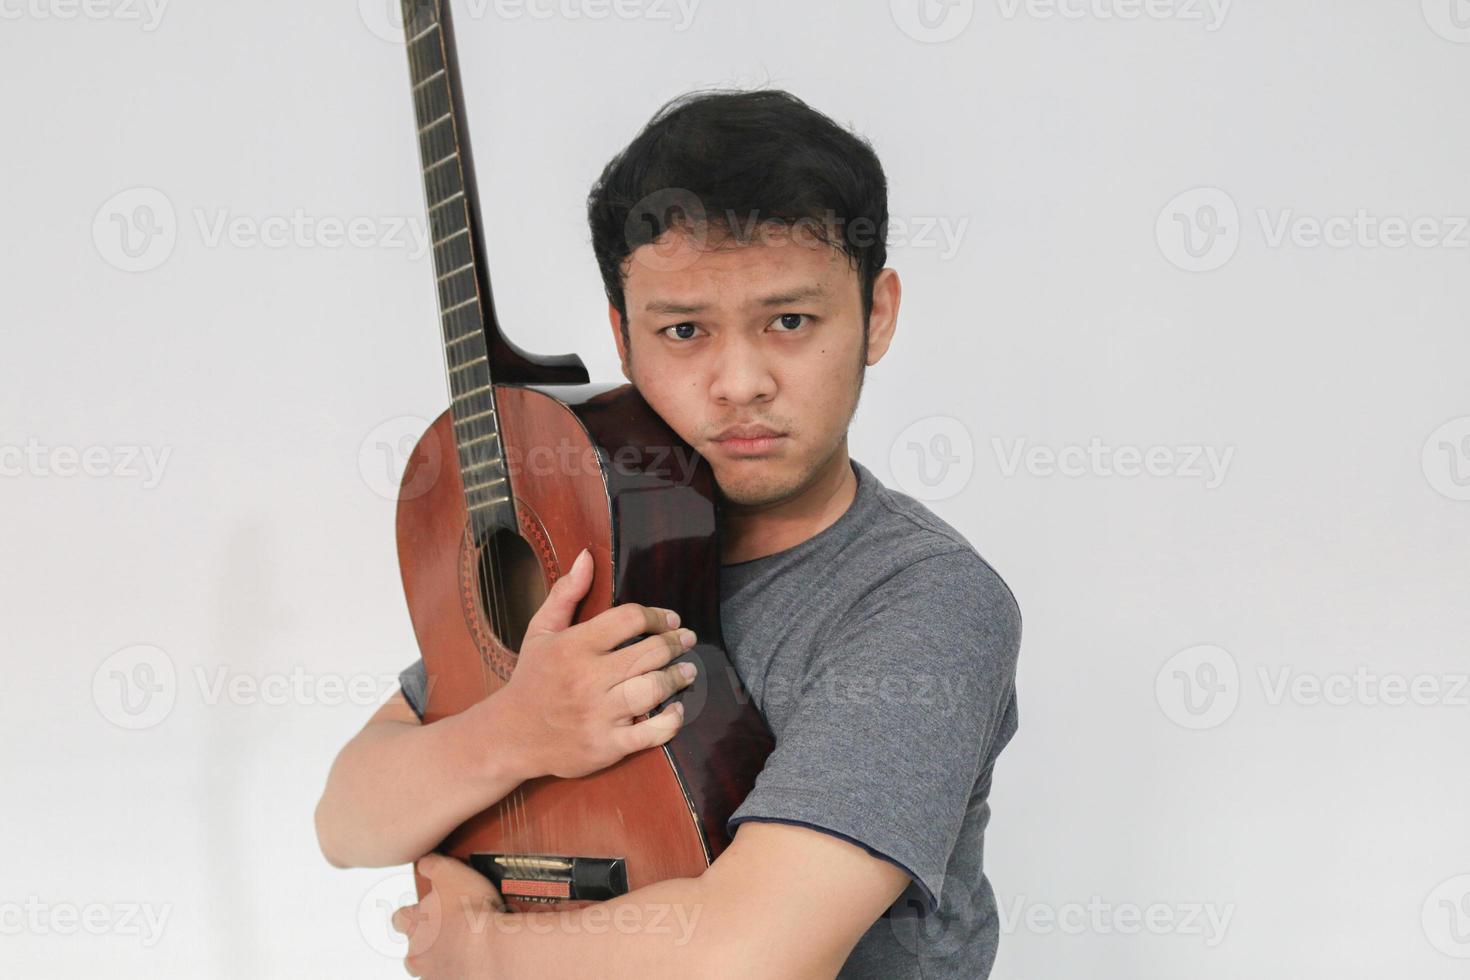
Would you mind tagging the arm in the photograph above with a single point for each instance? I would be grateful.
(902, 707)
(571, 707)
(438, 780)
(781, 903)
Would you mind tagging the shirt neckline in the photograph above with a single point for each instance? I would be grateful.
(864, 481)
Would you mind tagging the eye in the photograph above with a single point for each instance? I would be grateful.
(786, 318)
(680, 327)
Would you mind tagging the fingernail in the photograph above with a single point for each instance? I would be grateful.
(580, 555)
(673, 619)
(686, 637)
(677, 707)
(687, 671)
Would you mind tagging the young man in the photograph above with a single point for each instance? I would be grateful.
(741, 242)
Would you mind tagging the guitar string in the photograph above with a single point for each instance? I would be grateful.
(491, 573)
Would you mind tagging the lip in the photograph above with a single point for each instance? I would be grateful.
(746, 433)
(748, 440)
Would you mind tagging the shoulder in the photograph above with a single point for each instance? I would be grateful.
(929, 563)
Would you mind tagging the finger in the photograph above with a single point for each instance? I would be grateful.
(640, 695)
(560, 604)
(453, 875)
(613, 627)
(648, 654)
(654, 731)
(404, 918)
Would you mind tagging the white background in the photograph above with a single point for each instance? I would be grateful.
(1052, 145)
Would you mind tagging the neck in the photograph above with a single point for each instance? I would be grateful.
(747, 533)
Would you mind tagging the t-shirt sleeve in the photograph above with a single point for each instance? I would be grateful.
(900, 710)
(414, 681)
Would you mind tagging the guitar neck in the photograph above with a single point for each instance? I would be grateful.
(466, 313)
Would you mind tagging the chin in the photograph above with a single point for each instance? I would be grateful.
(755, 482)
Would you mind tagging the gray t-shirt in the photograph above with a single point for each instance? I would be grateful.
(882, 652)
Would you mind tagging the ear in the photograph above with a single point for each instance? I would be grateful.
(887, 291)
(616, 321)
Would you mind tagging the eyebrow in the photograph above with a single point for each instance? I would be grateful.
(663, 307)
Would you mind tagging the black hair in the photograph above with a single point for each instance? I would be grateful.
(726, 156)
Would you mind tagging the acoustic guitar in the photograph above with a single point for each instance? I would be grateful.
(530, 464)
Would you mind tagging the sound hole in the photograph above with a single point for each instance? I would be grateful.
(510, 584)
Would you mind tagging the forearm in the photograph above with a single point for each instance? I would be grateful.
(397, 789)
(671, 928)
(715, 927)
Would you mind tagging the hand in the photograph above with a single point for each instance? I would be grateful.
(449, 932)
(573, 701)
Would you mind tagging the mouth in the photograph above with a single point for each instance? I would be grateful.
(759, 443)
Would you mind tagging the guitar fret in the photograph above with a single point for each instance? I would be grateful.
(422, 33)
(467, 364)
(426, 81)
(481, 466)
(455, 272)
(440, 163)
(459, 340)
(430, 125)
(488, 503)
(446, 201)
(473, 391)
(445, 241)
(473, 487)
(477, 415)
(480, 439)
(460, 306)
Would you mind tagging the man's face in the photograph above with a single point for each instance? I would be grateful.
(767, 332)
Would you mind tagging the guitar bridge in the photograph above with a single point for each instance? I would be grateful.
(552, 877)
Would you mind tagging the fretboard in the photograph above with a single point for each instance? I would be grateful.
(459, 268)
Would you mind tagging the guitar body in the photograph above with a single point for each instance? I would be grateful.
(591, 466)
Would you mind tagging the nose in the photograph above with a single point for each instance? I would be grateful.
(742, 373)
